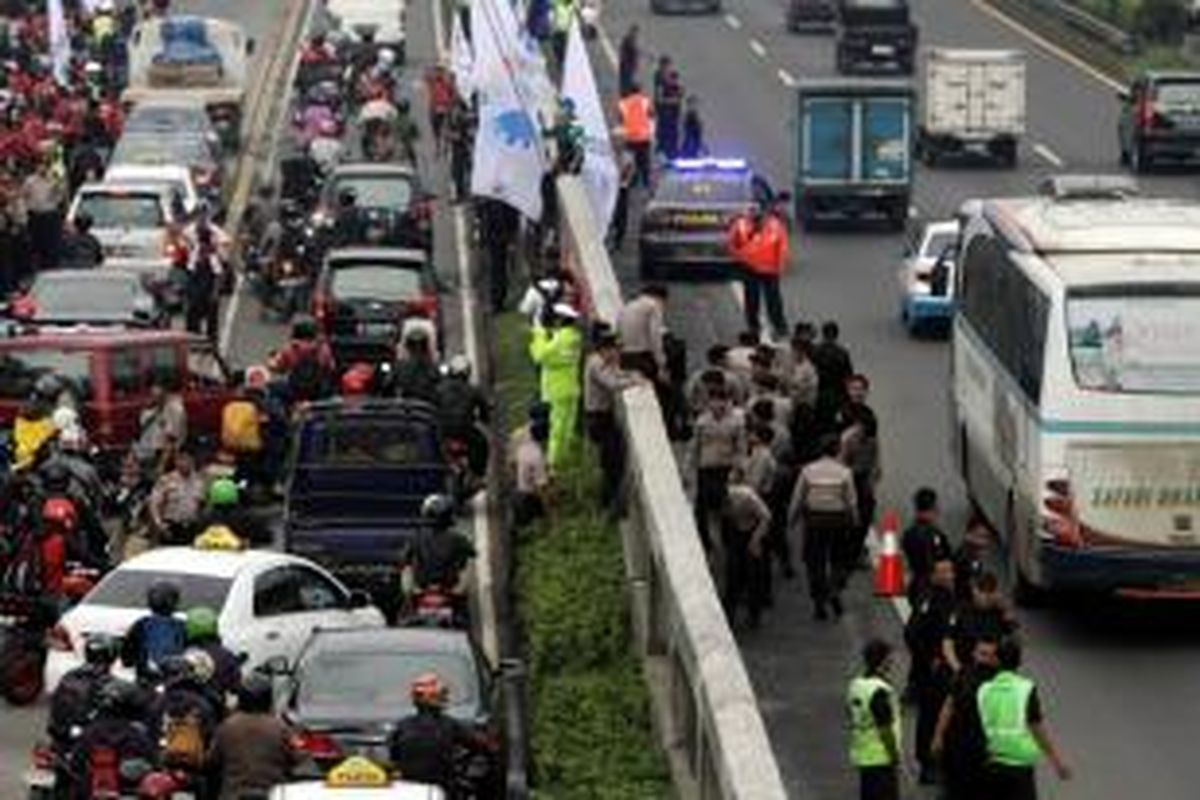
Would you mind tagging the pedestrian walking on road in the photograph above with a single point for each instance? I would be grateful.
(875, 725)
(557, 349)
(1014, 727)
(692, 145)
(923, 542)
(958, 742)
(859, 429)
(834, 368)
(499, 224)
(637, 127)
(745, 523)
(629, 61)
(758, 242)
(205, 273)
(627, 171)
(824, 509)
(603, 380)
(668, 110)
(717, 445)
(930, 675)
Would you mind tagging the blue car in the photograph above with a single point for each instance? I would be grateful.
(927, 278)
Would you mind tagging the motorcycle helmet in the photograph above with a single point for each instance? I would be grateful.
(459, 366)
(100, 649)
(438, 508)
(83, 222)
(200, 664)
(201, 623)
(256, 695)
(386, 57)
(120, 699)
(223, 493)
(428, 690)
(47, 388)
(162, 597)
(347, 197)
(60, 513)
(304, 327)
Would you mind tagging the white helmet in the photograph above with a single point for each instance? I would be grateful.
(459, 366)
(65, 418)
(200, 665)
(386, 57)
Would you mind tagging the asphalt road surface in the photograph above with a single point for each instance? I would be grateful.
(1118, 682)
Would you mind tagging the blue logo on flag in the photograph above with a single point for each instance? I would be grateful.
(515, 128)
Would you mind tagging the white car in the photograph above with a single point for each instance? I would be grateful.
(131, 220)
(927, 277)
(267, 603)
(357, 778)
(177, 177)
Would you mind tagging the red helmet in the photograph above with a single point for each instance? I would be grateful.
(60, 512)
(356, 381)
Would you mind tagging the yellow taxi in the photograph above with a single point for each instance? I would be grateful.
(357, 778)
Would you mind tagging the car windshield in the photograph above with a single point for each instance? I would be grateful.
(375, 683)
(167, 118)
(126, 588)
(1128, 340)
(124, 210)
(20, 369)
(189, 150)
(1178, 93)
(377, 191)
(82, 294)
(704, 188)
(370, 282)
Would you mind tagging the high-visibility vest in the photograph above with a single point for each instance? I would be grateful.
(635, 118)
(561, 13)
(866, 745)
(1003, 705)
(763, 251)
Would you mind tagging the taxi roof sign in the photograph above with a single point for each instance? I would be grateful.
(357, 772)
(218, 537)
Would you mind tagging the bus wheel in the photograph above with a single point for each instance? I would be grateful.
(1025, 593)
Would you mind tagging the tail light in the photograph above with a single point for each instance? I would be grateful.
(172, 250)
(23, 307)
(424, 306)
(1059, 518)
(320, 746)
(59, 638)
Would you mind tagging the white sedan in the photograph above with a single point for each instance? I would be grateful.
(927, 277)
(267, 603)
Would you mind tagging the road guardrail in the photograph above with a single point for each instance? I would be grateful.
(709, 719)
(1101, 44)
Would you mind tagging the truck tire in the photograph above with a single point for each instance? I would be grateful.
(1005, 152)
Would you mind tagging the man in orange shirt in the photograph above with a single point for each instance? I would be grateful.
(758, 241)
(637, 126)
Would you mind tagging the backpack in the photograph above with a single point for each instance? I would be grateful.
(306, 379)
(23, 575)
(239, 427)
(162, 637)
(183, 740)
(72, 701)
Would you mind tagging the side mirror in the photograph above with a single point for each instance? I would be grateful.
(274, 667)
(250, 45)
(359, 599)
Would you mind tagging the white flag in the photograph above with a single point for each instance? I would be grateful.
(600, 173)
(60, 42)
(508, 159)
(462, 60)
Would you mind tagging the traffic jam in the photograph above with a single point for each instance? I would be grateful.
(227, 582)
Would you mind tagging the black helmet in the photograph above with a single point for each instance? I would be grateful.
(347, 197)
(304, 327)
(163, 597)
(120, 699)
(438, 508)
(101, 649)
(48, 387)
(257, 695)
(175, 668)
(403, 106)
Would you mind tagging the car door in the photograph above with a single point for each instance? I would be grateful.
(272, 630)
(326, 603)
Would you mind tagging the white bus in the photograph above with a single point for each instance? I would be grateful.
(1076, 386)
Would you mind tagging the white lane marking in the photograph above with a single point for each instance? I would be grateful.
(480, 518)
(733, 22)
(786, 78)
(758, 48)
(606, 45)
(1048, 154)
(1048, 46)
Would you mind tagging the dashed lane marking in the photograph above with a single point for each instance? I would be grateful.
(1048, 154)
(786, 78)
(758, 48)
(733, 22)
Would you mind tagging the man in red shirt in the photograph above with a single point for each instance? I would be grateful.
(758, 241)
(439, 84)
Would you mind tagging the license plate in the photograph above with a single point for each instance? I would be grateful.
(40, 779)
(182, 796)
(696, 220)
(376, 329)
(883, 50)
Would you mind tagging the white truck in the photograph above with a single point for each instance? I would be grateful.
(974, 105)
(199, 57)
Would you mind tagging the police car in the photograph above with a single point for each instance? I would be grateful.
(927, 277)
(267, 603)
(357, 778)
(686, 221)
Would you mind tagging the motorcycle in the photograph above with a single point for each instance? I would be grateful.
(24, 623)
(285, 280)
(51, 777)
(433, 607)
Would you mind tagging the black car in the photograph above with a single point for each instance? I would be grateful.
(811, 15)
(395, 210)
(366, 298)
(1160, 119)
(684, 6)
(685, 225)
(875, 36)
(88, 297)
(348, 689)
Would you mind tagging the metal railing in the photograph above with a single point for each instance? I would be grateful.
(708, 714)
(1098, 42)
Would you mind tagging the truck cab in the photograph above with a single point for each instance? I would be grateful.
(875, 36)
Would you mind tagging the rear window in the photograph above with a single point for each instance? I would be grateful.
(126, 588)
(377, 682)
(20, 369)
(79, 295)
(359, 441)
(381, 192)
(705, 187)
(366, 282)
(123, 210)
(190, 150)
(1178, 93)
(166, 118)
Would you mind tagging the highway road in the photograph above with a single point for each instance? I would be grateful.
(1118, 681)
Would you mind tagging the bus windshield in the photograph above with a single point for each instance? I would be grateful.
(1135, 339)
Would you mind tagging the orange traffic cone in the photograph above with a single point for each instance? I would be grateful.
(889, 569)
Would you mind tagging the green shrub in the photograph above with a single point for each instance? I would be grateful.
(1161, 21)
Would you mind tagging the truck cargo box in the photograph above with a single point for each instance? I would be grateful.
(974, 101)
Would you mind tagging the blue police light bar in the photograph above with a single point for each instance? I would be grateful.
(710, 163)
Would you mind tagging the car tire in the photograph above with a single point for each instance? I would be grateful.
(1025, 593)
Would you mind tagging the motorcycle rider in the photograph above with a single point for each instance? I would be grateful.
(157, 636)
(87, 541)
(417, 376)
(187, 698)
(81, 248)
(423, 745)
(348, 224)
(74, 700)
(225, 509)
(307, 361)
(203, 634)
(439, 552)
(117, 734)
(463, 408)
(251, 750)
(318, 51)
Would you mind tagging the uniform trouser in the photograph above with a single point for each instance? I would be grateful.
(931, 694)
(620, 219)
(743, 574)
(822, 537)
(864, 488)
(564, 426)
(641, 162)
(203, 314)
(1009, 783)
(602, 430)
(711, 488)
(879, 783)
(963, 781)
(45, 234)
(758, 288)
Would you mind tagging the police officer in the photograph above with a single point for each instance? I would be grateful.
(603, 380)
(745, 523)
(874, 713)
(958, 741)
(923, 542)
(557, 349)
(1016, 733)
(758, 241)
(930, 676)
(423, 745)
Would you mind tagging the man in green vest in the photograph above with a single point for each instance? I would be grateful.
(874, 712)
(1017, 737)
(557, 349)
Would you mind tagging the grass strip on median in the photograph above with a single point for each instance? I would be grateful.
(591, 731)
